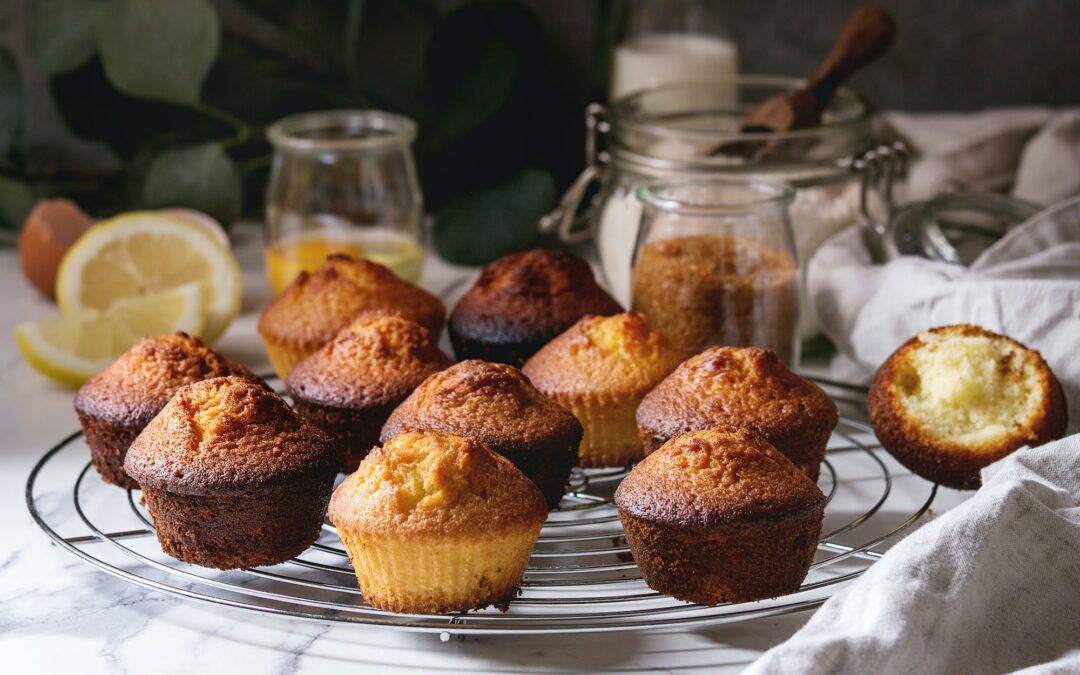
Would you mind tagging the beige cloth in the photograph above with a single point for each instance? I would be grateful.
(1030, 153)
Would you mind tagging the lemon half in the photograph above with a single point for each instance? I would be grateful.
(142, 253)
(71, 348)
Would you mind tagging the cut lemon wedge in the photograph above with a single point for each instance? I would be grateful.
(71, 348)
(139, 254)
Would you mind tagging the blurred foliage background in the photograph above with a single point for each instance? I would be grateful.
(125, 104)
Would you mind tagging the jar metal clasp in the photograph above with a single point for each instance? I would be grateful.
(572, 220)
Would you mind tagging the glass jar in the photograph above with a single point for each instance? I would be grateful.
(666, 41)
(715, 263)
(690, 131)
(342, 181)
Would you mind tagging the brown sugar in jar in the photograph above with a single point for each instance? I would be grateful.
(703, 290)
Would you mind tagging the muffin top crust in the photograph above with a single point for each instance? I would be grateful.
(741, 386)
(436, 484)
(722, 476)
(377, 359)
(227, 435)
(618, 354)
(491, 402)
(317, 305)
(136, 386)
(525, 295)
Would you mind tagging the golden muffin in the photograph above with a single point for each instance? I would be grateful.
(720, 516)
(117, 403)
(351, 384)
(437, 523)
(317, 305)
(742, 387)
(600, 370)
(232, 476)
(952, 400)
(498, 406)
(522, 301)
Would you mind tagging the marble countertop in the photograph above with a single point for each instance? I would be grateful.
(60, 614)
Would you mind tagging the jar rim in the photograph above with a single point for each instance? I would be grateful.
(768, 193)
(621, 116)
(288, 133)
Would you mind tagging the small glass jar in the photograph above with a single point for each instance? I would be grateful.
(342, 181)
(715, 263)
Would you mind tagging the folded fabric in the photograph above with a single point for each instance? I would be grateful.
(1031, 153)
(1026, 286)
(990, 586)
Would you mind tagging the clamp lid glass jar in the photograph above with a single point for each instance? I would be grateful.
(342, 181)
(690, 130)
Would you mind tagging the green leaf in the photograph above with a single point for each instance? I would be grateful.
(481, 94)
(16, 200)
(159, 49)
(199, 177)
(478, 228)
(63, 33)
(11, 103)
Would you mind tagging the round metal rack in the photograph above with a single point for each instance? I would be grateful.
(581, 578)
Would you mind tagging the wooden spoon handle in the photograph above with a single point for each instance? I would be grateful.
(868, 32)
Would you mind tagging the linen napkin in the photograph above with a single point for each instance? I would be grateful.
(992, 585)
(1026, 286)
(1031, 153)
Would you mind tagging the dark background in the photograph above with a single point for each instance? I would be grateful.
(498, 87)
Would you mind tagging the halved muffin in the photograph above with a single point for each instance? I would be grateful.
(232, 476)
(437, 523)
(720, 516)
(116, 404)
(351, 385)
(743, 387)
(955, 399)
(316, 306)
(522, 301)
(600, 370)
(498, 406)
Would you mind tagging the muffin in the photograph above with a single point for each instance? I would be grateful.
(720, 516)
(437, 523)
(522, 301)
(232, 476)
(496, 405)
(115, 405)
(952, 400)
(742, 387)
(350, 385)
(316, 306)
(600, 370)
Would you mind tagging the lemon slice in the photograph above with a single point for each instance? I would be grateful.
(70, 348)
(142, 253)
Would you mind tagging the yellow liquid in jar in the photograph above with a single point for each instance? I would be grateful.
(307, 252)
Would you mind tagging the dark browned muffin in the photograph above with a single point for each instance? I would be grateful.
(522, 301)
(232, 476)
(115, 405)
(955, 399)
(498, 406)
(720, 516)
(314, 308)
(350, 386)
(742, 387)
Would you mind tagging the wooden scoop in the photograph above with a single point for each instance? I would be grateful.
(868, 33)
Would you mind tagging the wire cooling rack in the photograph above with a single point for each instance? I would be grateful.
(581, 578)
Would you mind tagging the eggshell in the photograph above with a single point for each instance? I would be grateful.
(51, 228)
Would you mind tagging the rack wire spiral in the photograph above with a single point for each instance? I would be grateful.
(581, 578)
